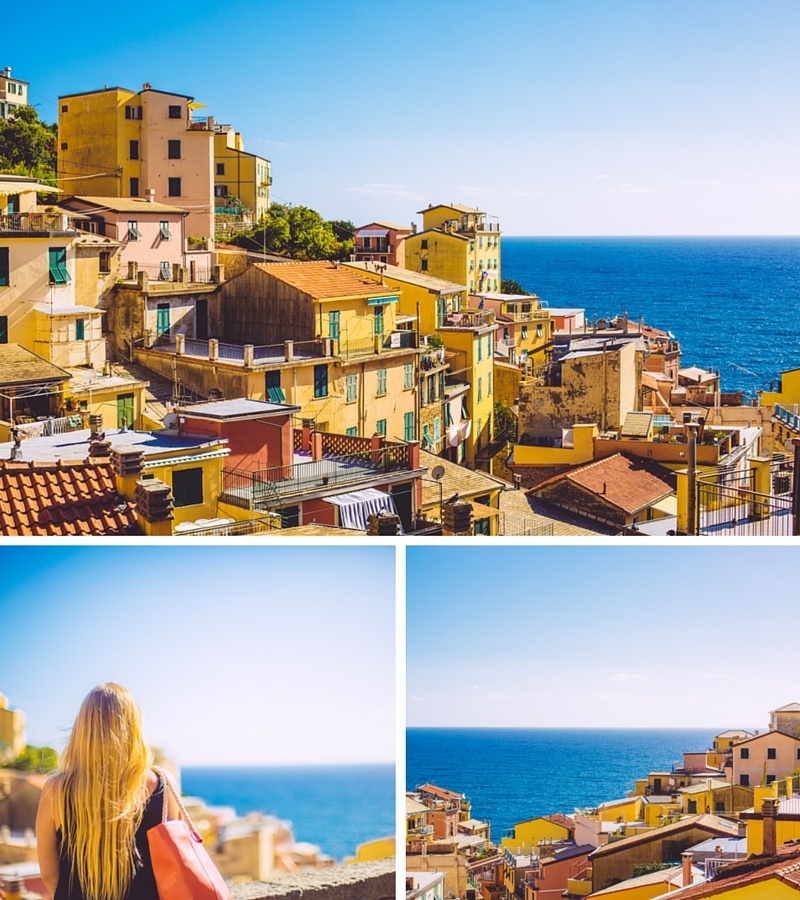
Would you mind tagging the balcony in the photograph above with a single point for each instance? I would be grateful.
(788, 418)
(273, 487)
(467, 320)
(36, 223)
(239, 354)
(531, 315)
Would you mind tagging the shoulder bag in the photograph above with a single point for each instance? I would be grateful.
(181, 865)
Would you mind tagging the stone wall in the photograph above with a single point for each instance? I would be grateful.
(361, 881)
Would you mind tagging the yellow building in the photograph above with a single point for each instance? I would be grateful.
(525, 330)
(242, 180)
(456, 244)
(369, 851)
(117, 142)
(785, 403)
(543, 829)
(480, 490)
(12, 731)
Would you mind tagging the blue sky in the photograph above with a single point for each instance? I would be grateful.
(558, 116)
(246, 655)
(600, 636)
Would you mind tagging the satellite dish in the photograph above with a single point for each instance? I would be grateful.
(170, 421)
(438, 473)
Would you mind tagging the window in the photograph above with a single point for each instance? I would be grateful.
(187, 487)
(133, 112)
(105, 262)
(480, 350)
(691, 807)
(273, 387)
(64, 146)
(174, 187)
(770, 779)
(380, 427)
(351, 383)
(173, 149)
(524, 332)
(133, 149)
(80, 330)
(220, 168)
(58, 265)
(744, 753)
(427, 443)
(174, 112)
(165, 270)
(408, 426)
(378, 319)
(437, 428)
(381, 381)
(3, 329)
(220, 190)
(351, 432)
(333, 325)
(539, 331)
(133, 231)
(480, 389)
(5, 270)
(64, 108)
(163, 231)
(424, 265)
(424, 244)
(134, 187)
(489, 385)
(772, 752)
(290, 516)
(744, 780)
(408, 375)
(320, 381)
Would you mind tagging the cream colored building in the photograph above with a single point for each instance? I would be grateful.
(12, 731)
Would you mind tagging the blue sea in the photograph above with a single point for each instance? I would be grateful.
(514, 774)
(732, 302)
(335, 807)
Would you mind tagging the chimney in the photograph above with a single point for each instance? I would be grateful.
(151, 195)
(769, 815)
(7, 72)
(686, 859)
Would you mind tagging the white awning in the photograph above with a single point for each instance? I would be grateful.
(372, 232)
(357, 505)
(25, 186)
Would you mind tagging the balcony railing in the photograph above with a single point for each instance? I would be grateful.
(237, 353)
(45, 427)
(468, 319)
(269, 488)
(787, 417)
(37, 221)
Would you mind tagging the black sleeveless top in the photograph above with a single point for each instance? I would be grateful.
(143, 886)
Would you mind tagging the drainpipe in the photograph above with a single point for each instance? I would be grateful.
(691, 500)
(796, 489)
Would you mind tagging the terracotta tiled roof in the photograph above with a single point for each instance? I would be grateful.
(784, 867)
(435, 791)
(714, 825)
(623, 481)
(62, 499)
(324, 279)
(560, 819)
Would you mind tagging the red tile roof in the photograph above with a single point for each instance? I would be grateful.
(435, 791)
(62, 499)
(325, 279)
(629, 483)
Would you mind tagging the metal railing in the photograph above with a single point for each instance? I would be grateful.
(45, 427)
(267, 488)
(261, 525)
(787, 417)
(37, 221)
(467, 318)
(730, 506)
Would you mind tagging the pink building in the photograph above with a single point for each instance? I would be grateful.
(381, 242)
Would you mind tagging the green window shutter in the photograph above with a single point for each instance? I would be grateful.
(381, 381)
(408, 375)
(437, 428)
(408, 426)
(320, 381)
(380, 427)
(333, 325)
(351, 432)
(80, 330)
(352, 388)
(273, 387)
(162, 318)
(480, 390)
(58, 265)
(5, 270)
(378, 320)
(3, 329)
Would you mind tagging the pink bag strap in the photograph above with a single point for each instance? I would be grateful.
(170, 787)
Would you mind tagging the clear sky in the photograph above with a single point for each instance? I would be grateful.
(600, 636)
(237, 655)
(561, 117)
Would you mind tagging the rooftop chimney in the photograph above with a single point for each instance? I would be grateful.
(7, 71)
(686, 859)
(769, 814)
(151, 194)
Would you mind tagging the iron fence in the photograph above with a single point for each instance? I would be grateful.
(729, 505)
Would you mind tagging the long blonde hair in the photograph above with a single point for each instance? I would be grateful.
(102, 791)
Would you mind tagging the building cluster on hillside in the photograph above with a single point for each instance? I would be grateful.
(723, 822)
(255, 847)
(122, 311)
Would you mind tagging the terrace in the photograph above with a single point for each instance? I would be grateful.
(467, 320)
(322, 463)
(37, 223)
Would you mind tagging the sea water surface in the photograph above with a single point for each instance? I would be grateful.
(514, 774)
(335, 807)
(732, 302)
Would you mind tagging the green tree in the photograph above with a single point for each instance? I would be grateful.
(505, 423)
(36, 759)
(509, 286)
(27, 145)
(298, 232)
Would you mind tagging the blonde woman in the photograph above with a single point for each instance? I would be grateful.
(91, 827)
